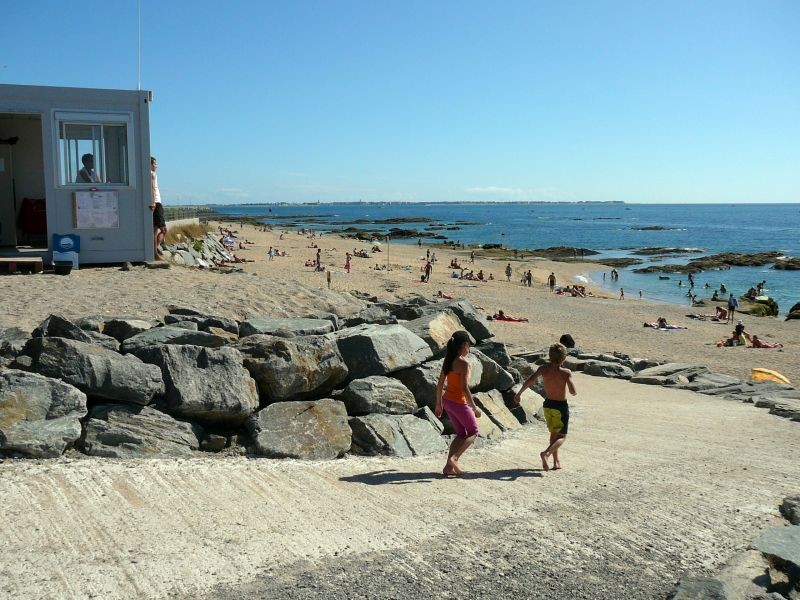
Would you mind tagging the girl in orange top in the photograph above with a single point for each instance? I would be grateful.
(453, 396)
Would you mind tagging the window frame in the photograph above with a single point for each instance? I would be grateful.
(93, 118)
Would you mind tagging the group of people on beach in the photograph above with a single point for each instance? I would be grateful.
(454, 398)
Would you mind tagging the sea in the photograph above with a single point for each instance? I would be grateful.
(612, 229)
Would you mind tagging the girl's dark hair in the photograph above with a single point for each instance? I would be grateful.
(453, 346)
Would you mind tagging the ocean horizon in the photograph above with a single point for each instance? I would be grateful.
(613, 229)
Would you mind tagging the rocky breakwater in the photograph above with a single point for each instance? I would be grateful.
(203, 253)
(715, 262)
(185, 382)
(780, 399)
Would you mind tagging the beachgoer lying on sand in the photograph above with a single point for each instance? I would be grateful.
(739, 337)
(311, 263)
(661, 323)
(501, 316)
(721, 313)
(759, 343)
(440, 294)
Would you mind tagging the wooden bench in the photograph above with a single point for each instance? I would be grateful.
(35, 262)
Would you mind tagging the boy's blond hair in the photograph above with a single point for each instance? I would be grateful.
(558, 353)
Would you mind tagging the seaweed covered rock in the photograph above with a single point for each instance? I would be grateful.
(794, 312)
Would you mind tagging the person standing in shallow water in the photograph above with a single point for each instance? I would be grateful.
(454, 398)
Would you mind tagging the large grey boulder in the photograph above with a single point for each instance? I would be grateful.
(101, 339)
(493, 376)
(204, 322)
(421, 380)
(285, 327)
(123, 328)
(497, 351)
(487, 428)
(125, 431)
(474, 322)
(788, 409)
(12, 341)
(39, 416)
(522, 366)
(790, 508)
(308, 429)
(614, 370)
(380, 349)
(435, 328)
(96, 371)
(690, 371)
(428, 415)
(711, 381)
(158, 336)
(395, 435)
(529, 404)
(208, 385)
(374, 313)
(58, 326)
(378, 394)
(782, 543)
(294, 368)
(328, 316)
(494, 406)
(692, 587)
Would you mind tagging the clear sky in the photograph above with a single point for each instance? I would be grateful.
(680, 101)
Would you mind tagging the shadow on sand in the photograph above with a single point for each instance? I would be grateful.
(393, 477)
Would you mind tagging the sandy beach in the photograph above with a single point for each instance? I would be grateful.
(657, 481)
(285, 287)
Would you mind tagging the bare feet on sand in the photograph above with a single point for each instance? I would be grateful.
(451, 469)
(543, 456)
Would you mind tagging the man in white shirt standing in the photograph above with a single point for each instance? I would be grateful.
(159, 224)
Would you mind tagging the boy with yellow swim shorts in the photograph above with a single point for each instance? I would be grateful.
(557, 380)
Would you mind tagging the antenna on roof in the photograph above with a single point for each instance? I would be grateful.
(138, 44)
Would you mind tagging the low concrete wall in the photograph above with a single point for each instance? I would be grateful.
(180, 222)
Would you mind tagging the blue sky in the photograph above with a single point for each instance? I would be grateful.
(426, 101)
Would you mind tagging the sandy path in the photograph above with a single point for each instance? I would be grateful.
(656, 481)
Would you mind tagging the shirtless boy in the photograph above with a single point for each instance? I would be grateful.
(557, 380)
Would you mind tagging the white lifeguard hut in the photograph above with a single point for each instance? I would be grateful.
(46, 135)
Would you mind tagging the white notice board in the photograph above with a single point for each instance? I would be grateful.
(95, 210)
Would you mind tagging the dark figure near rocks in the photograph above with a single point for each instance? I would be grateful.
(567, 341)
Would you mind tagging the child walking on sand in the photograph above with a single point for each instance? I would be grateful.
(557, 380)
(453, 396)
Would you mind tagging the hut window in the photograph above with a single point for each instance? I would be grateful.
(93, 154)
